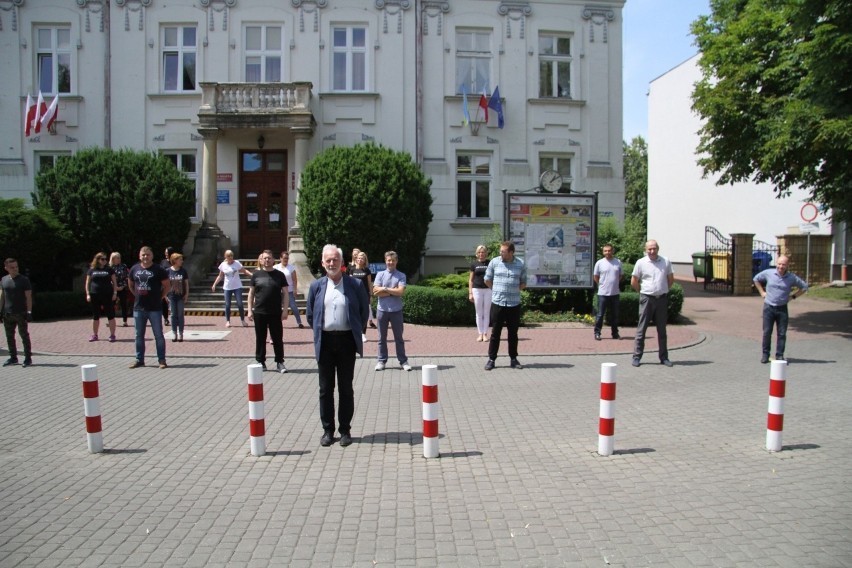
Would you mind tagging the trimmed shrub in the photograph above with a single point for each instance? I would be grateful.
(435, 306)
(628, 309)
(446, 281)
(59, 305)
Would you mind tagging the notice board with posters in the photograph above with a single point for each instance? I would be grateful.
(554, 234)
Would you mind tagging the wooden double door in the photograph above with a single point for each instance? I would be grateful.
(263, 202)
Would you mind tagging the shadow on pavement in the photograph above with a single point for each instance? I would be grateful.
(124, 451)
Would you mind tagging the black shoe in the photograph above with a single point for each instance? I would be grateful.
(667, 363)
(27, 362)
(10, 362)
(597, 337)
(489, 365)
(515, 364)
(764, 360)
(345, 440)
(636, 361)
(615, 335)
(327, 439)
(301, 326)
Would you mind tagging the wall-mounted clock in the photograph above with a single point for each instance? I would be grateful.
(550, 181)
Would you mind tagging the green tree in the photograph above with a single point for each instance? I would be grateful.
(39, 242)
(636, 181)
(365, 196)
(776, 96)
(118, 200)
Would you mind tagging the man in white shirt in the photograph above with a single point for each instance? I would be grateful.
(652, 277)
(289, 271)
(607, 275)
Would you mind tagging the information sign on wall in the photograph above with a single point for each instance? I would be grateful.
(555, 236)
(223, 196)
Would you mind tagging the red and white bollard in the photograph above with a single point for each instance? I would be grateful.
(606, 424)
(430, 411)
(257, 424)
(775, 414)
(92, 409)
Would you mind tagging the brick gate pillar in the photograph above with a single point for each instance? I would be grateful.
(742, 263)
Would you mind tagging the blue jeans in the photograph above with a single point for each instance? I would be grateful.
(238, 293)
(607, 303)
(176, 304)
(775, 315)
(395, 321)
(142, 317)
(295, 308)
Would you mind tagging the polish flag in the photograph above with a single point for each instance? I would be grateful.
(51, 113)
(30, 116)
(483, 104)
(41, 108)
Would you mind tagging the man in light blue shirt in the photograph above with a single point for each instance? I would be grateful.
(389, 287)
(607, 275)
(779, 284)
(506, 276)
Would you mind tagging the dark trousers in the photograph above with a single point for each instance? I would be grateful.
(337, 357)
(10, 322)
(511, 318)
(123, 297)
(778, 316)
(656, 308)
(272, 323)
(607, 303)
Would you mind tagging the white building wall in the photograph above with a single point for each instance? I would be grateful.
(680, 202)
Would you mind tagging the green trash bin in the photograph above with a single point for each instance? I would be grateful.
(699, 265)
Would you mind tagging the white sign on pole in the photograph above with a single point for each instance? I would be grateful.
(808, 228)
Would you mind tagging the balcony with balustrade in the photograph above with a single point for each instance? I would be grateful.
(257, 105)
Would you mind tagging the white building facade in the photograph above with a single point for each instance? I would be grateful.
(681, 203)
(241, 94)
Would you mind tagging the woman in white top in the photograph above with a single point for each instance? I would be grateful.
(230, 271)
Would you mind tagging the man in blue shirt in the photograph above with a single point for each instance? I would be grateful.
(776, 286)
(506, 276)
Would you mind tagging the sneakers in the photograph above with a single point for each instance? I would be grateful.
(112, 339)
(163, 364)
(515, 364)
(281, 367)
(636, 361)
(227, 324)
(10, 362)
(363, 338)
(262, 364)
(406, 366)
(27, 362)
(136, 365)
(489, 365)
(667, 363)
(597, 337)
(380, 366)
(245, 324)
(94, 337)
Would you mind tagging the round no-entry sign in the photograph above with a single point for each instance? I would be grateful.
(809, 212)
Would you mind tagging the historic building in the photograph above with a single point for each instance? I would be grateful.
(240, 94)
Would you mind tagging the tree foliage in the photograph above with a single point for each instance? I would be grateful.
(40, 243)
(118, 200)
(776, 96)
(367, 197)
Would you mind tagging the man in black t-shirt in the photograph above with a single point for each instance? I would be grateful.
(267, 308)
(16, 311)
(149, 283)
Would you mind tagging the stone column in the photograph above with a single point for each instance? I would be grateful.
(208, 177)
(295, 243)
(742, 263)
(301, 158)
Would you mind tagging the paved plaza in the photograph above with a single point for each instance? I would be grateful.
(519, 481)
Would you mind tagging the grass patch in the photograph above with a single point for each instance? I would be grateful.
(535, 316)
(832, 294)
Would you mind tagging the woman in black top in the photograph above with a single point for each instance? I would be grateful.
(479, 293)
(361, 271)
(101, 293)
(121, 272)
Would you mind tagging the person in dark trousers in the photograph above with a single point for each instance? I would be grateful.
(653, 278)
(16, 311)
(506, 275)
(337, 308)
(267, 308)
(607, 275)
(166, 263)
(149, 284)
(776, 286)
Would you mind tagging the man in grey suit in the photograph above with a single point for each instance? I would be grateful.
(336, 309)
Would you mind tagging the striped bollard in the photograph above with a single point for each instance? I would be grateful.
(606, 424)
(430, 411)
(257, 425)
(92, 409)
(775, 414)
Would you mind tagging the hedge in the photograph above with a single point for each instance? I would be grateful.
(628, 309)
(59, 305)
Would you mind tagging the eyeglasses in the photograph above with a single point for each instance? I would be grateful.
(101, 258)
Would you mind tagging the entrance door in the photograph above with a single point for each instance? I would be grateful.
(263, 202)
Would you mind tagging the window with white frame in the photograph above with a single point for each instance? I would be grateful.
(46, 160)
(53, 60)
(264, 50)
(554, 65)
(185, 161)
(349, 58)
(473, 182)
(179, 58)
(563, 165)
(473, 61)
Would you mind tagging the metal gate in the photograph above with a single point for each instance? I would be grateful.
(719, 261)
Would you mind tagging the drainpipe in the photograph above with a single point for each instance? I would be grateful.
(418, 81)
(107, 79)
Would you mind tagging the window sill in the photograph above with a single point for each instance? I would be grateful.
(476, 222)
(562, 101)
(167, 94)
